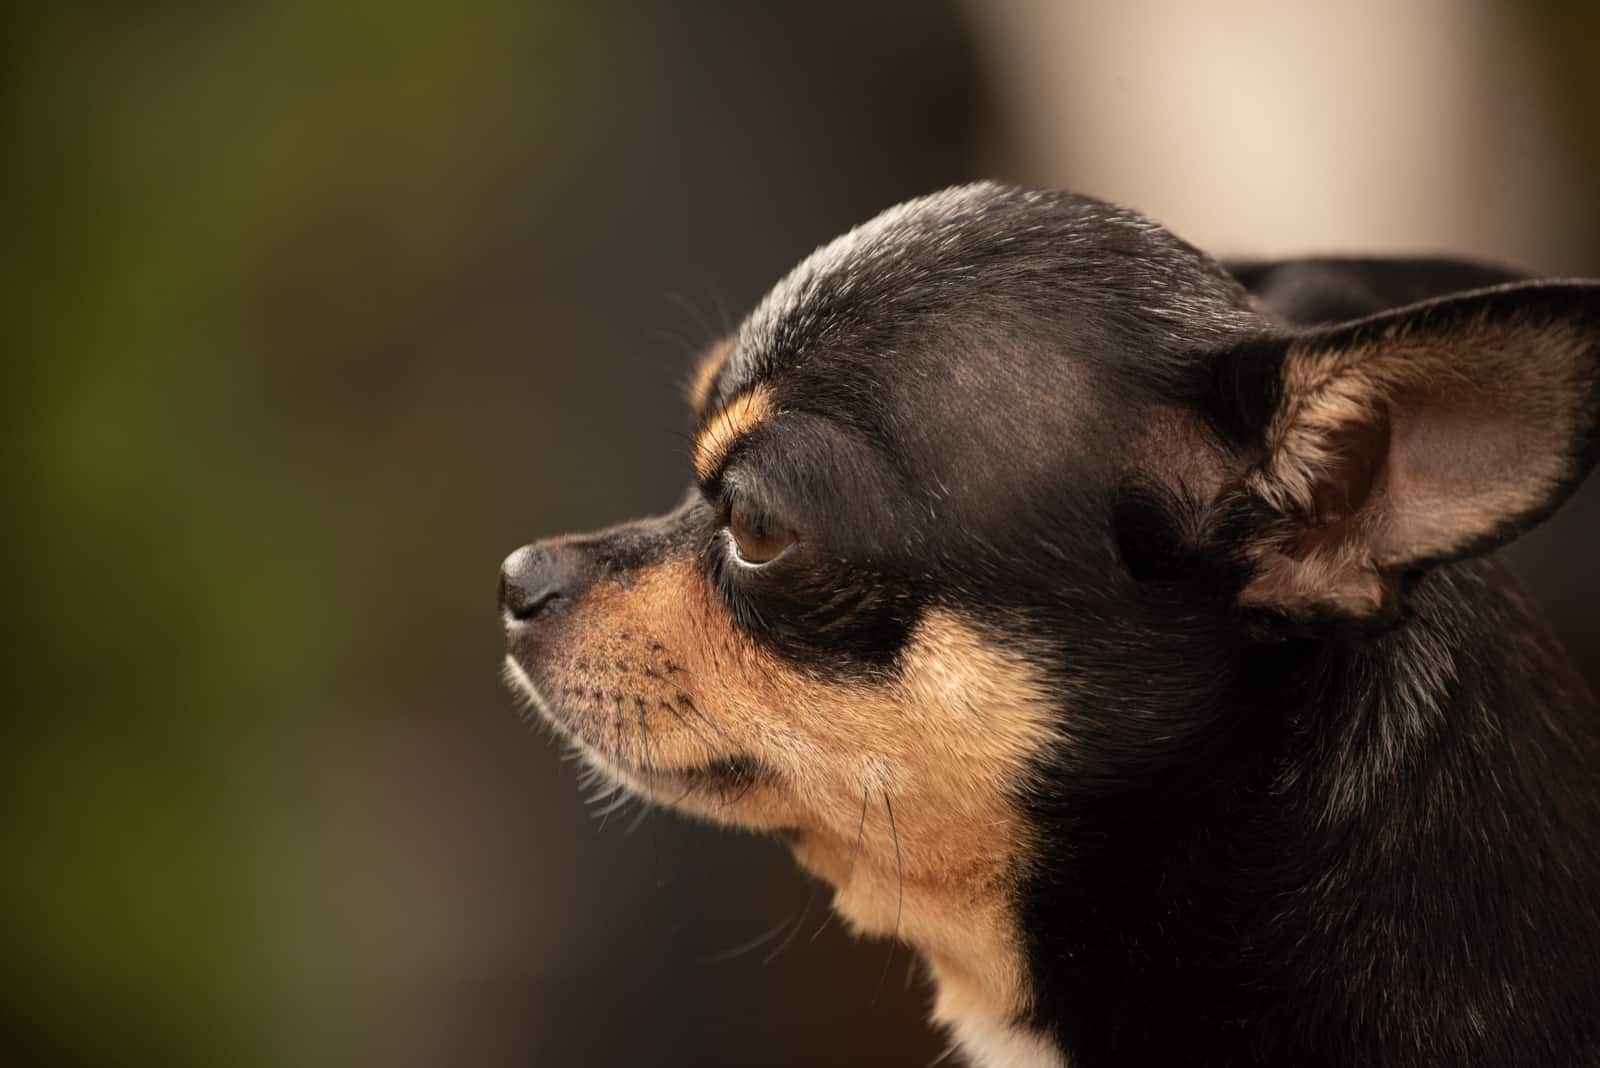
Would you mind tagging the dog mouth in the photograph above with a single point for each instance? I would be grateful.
(723, 781)
(622, 745)
(739, 772)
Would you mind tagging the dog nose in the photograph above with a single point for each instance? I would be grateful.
(535, 577)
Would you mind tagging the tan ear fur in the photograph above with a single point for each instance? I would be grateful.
(1421, 435)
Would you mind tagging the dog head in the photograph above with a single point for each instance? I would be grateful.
(991, 498)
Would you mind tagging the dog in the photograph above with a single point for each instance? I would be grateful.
(1120, 630)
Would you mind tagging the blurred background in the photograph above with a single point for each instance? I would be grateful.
(317, 310)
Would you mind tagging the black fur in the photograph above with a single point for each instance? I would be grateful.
(1266, 843)
(1381, 853)
(1330, 290)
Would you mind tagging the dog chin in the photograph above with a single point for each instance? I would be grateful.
(522, 684)
(714, 790)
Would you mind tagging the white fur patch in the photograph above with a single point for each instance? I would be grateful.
(990, 1045)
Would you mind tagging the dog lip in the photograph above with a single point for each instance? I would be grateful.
(527, 641)
(734, 771)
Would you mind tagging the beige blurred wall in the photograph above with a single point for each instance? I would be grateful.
(1260, 128)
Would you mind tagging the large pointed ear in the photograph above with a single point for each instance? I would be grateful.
(1421, 435)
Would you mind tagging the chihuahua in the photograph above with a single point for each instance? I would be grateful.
(1119, 630)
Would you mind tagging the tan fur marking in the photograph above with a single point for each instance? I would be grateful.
(736, 419)
(1486, 376)
(1485, 368)
(705, 373)
(948, 741)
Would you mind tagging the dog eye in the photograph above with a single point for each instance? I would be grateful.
(757, 540)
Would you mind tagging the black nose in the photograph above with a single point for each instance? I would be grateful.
(535, 577)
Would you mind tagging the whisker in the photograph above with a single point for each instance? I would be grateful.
(850, 870)
(689, 347)
(684, 447)
(621, 748)
(617, 793)
(800, 921)
(676, 801)
(736, 798)
(899, 869)
(734, 749)
(745, 947)
(721, 306)
(861, 830)
(606, 790)
(679, 669)
(900, 898)
(618, 804)
(688, 703)
(649, 767)
(644, 734)
(644, 810)
(713, 750)
(700, 321)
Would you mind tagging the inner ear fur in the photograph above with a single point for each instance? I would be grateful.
(1421, 435)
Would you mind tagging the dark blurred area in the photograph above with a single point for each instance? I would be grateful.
(318, 310)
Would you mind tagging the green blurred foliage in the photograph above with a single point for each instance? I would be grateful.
(216, 215)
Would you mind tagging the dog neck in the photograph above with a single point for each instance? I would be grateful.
(1390, 821)
(961, 920)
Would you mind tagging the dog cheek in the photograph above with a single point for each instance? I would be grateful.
(663, 639)
(930, 838)
(902, 788)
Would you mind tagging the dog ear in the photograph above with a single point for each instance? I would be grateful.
(1421, 435)
(1333, 289)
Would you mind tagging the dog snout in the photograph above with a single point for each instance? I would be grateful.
(537, 577)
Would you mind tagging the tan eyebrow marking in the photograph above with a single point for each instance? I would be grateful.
(706, 371)
(736, 419)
